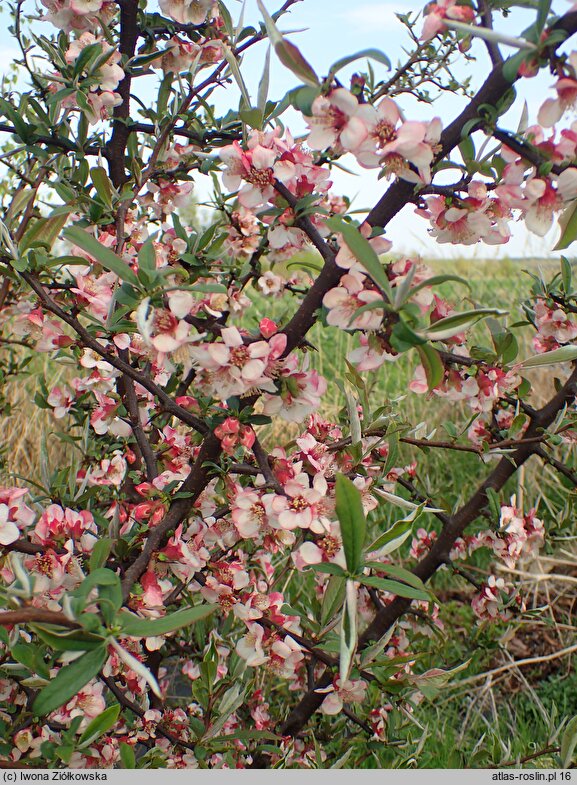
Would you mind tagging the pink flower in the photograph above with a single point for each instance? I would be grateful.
(78, 15)
(300, 392)
(345, 300)
(233, 367)
(231, 433)
(9, 531)
(445, 9)
(248, 512)
(186, 12)
(348, 261)
(301, 507)
(258, 167)
(554, 326)
(334, 122)
(61, 401)
(56, 525)
(250, 647)
(349, 691)
(553, 109)
(109, 74)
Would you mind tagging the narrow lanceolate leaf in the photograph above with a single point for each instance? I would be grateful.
(352, 521)
(99, 725)
(235, 71)
(348, 641)
(288, 53)
(362, 251)
(400, 573)
(568, 743)
(457, 322)
(43, 232)
(148, 628)
(69, 680)
(563, 355)
(394, 587)
(104, 256)
(432, 364)
(394, 537)
(432, 681)
(370, 54)
(102, 184)
(65, 640)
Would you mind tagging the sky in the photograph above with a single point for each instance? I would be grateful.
(330, 29)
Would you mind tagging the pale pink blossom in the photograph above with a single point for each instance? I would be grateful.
(186, 12)
(334, 122)
(345, 300)
(444, 9)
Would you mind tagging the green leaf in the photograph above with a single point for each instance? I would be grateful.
(394, 587)
(568, 743)
(362, 251)
(568, 224)
(512, 65)
(398, 572)
(102, 184)
(394, 537)
(542, 13)
(457, 322)
(352, 521)
(127, 756)
(371, 54)
(43, 232)
(235, 71)
(288, 53)
(435, 280)
(263, 85)
(66, 640)
(562, 355)
(22, 129)
(100, 553)
(246, 735)
(107, 258)
(147, 628)
(147, 257)
(432, 364)
(333, 598)
(404, 338)
(99, 725)
(432, 681)
(328, 568)
(69, 680)
(98, 577)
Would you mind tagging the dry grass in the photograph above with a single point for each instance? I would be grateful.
(30, 448)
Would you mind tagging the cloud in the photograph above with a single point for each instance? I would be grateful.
(378, 16)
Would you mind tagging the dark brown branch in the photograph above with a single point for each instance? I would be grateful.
(484, 10)
(116, 147)
(38, 615)
(187, 494)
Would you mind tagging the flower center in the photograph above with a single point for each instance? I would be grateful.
(330, 545)
(385, 132)
(259, 177)
(238, 356)
(299, 503)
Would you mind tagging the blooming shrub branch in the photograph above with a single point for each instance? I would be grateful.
(220, 563)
